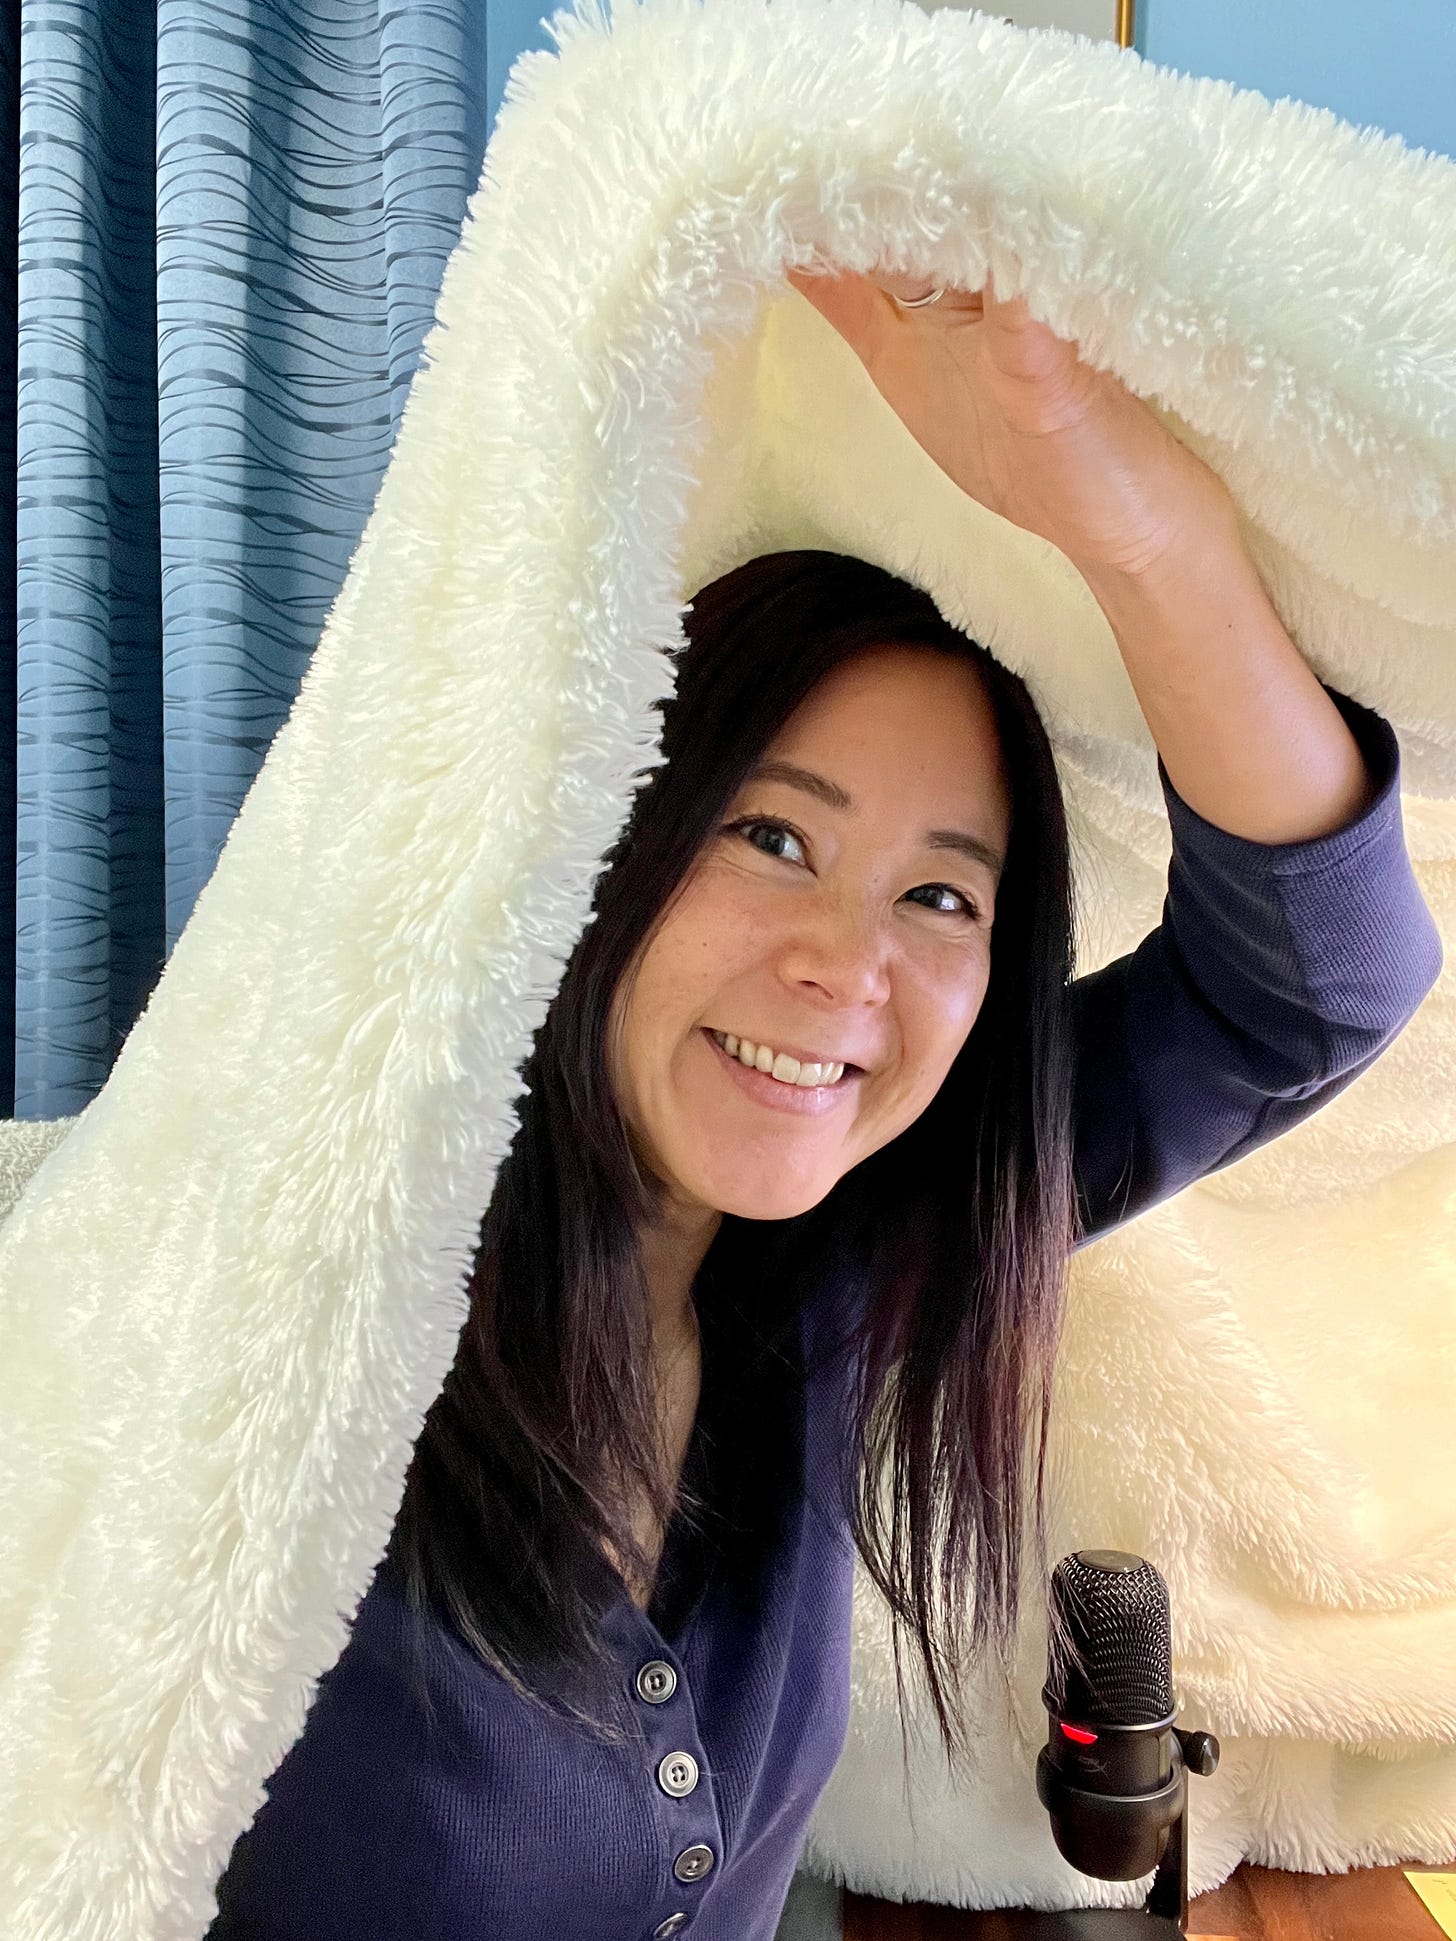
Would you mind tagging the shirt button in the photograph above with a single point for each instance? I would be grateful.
(669, 1926)
(677, 1774)
(656, 1682)
(693, 1862)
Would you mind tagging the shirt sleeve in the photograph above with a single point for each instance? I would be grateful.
(1279, 972)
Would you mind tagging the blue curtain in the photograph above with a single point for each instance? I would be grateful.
(231, 223)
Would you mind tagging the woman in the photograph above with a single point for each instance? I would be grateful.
(773, 1269)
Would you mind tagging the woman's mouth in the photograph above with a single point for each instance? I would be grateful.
(777, 1092)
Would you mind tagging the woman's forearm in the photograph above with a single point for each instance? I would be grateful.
(1249, 738)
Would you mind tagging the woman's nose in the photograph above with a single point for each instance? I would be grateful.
(846, 955)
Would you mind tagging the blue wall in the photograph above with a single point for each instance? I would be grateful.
(511, 26)
(1389, 64)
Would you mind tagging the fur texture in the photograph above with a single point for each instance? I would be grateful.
(233, 1286)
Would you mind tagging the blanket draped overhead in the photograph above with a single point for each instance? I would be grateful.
(232, 1287)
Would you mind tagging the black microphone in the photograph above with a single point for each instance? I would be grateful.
(1113, 1773)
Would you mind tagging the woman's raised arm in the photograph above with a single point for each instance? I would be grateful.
(1279, 972)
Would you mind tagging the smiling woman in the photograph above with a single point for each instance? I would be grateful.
(727, 1328)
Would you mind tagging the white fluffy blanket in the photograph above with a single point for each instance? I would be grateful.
(231, 1291)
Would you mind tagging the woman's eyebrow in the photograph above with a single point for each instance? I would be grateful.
(833, 796)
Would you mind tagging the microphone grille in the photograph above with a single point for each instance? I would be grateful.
(1114, 1608)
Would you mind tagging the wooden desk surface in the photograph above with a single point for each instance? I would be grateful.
(1254, 1904)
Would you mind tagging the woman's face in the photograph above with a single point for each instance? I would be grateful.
(836, 924)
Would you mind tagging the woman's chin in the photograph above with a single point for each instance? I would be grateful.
(769, 1200)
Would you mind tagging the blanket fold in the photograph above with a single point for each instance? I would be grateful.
(232, 1287)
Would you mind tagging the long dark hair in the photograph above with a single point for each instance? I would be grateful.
(548, 1426)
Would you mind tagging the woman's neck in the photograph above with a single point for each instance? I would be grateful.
(672, 1252)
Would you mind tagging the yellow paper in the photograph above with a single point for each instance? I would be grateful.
(1438, 1891)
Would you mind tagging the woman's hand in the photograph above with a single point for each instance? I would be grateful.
(1010, 412)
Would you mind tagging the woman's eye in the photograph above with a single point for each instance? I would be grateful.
(748, 824)
(944, 889)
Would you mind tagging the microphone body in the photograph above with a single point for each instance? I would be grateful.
(1113, 1773)
(1111, 1812)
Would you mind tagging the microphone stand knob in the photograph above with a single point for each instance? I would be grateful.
(1200, 1752)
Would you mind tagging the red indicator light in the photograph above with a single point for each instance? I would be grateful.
(1078, 1736)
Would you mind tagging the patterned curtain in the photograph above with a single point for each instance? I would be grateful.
(230, 224)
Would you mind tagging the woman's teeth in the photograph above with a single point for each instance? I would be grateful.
(780, 1066)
